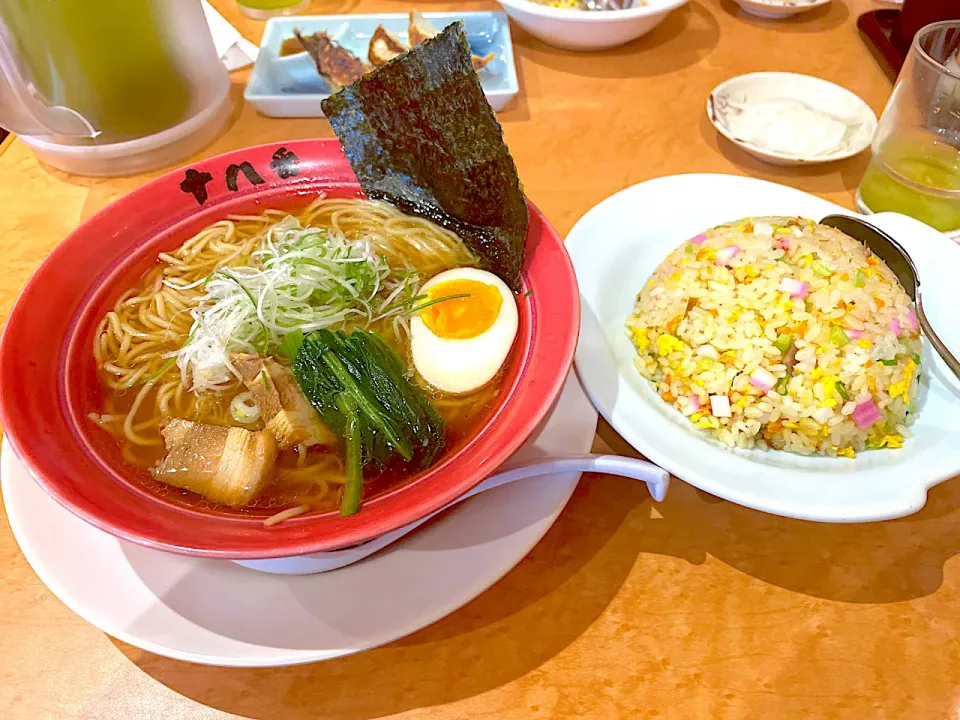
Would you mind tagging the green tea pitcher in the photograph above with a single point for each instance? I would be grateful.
(110, 88)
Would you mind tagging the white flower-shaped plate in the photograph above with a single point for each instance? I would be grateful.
(617, 245)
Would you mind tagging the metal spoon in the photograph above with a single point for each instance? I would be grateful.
(898, 260)
(657, 480)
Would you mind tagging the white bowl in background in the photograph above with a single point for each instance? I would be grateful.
(586, 30)
(779, 9)
(814, 92)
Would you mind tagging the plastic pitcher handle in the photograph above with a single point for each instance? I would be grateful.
(22, 112)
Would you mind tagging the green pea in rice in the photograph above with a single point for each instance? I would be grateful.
(780, 333)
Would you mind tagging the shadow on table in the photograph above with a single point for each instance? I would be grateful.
(840, 176)
(526, 618)
(826, 17)
(660, 51)
(881, 562)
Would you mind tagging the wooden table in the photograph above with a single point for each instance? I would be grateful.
(695, 608)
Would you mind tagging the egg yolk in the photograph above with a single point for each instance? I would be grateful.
(462, 317)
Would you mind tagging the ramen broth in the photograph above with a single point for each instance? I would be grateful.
(136, 344)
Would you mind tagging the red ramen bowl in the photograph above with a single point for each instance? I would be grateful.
(49, 383)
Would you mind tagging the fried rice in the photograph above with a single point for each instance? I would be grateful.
(780, 333)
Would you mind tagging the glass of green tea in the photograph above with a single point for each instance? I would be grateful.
(263, 9)
(916, 150)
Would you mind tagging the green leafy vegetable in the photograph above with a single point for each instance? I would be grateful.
(889, 363)
(358, 386)
(784, 343)
(290, 345)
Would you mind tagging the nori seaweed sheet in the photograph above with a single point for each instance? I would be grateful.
(419, 134)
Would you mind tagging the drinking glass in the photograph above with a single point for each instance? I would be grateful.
(263, 9)
(916, 150)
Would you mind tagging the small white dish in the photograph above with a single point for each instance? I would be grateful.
(290, 86)
(779, 9)
(617, 245)
(586, 30)
(215, 612)
(727, 103)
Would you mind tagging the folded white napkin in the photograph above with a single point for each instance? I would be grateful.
(234, 50)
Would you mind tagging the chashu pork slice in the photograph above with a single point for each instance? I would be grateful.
(226, 465)
(285, 410)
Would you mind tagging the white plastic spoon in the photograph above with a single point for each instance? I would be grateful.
(657, 480)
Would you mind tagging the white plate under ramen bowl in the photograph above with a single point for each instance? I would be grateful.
(217, 613)
(731, 97)
(615, 248)
(779, 9)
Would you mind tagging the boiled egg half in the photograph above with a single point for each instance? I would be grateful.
(463, 336)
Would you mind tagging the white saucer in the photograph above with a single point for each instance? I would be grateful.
(637, 228)
(779, 9)
(728, 99)
(217, 613)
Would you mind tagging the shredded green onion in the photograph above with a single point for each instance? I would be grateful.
(424, 306)
(861, 279)
(838, 336)
(244, 409)
(916, 358)
(820, 269)
(159, 373)
(781, 385)
(842, 391)
(889, 363)
(300, 279)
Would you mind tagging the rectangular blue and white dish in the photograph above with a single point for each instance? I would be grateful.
(290, 86)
